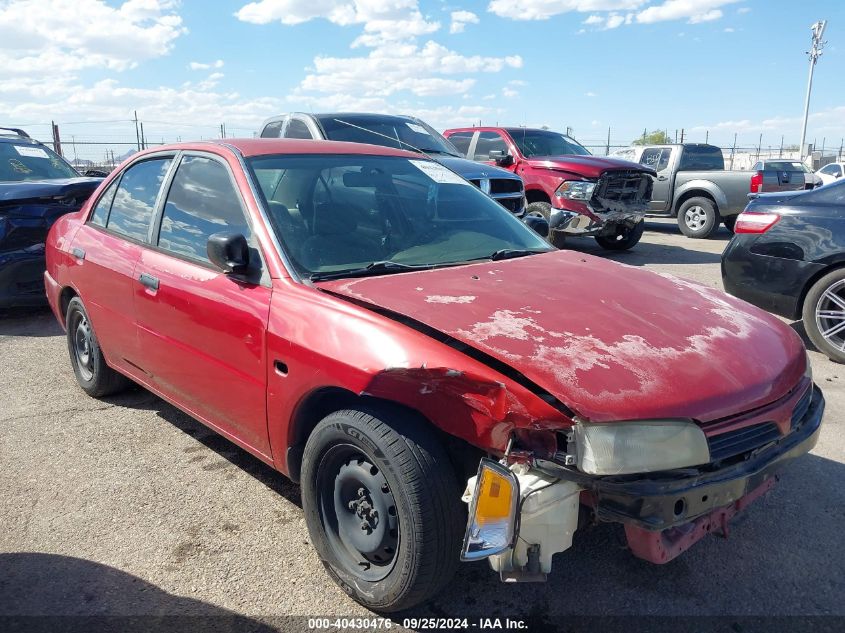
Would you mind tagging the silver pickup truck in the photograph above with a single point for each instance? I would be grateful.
(693, 185)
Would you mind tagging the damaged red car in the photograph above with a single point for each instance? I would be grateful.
(373, 326)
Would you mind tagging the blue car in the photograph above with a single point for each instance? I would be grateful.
(36, 187)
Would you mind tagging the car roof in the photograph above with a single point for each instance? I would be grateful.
(249, 147)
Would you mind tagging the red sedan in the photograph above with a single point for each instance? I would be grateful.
(372, 325)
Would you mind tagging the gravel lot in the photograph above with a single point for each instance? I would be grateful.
(128, 507)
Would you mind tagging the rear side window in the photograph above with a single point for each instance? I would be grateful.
(135, 198)
(297, 129)
(101, 211)
(656, 157)
(202, 201)
(272, 130)
(701, 158)
(488, 142)
(461, 140)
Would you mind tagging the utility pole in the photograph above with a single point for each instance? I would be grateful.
(759, 147)
(57, 141)
(780, 153)
(143, 139)
(707, 136)
(137, 134)
(815, 52)
(682, 136)
(607, 149)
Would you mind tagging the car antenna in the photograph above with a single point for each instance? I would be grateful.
(389, 138)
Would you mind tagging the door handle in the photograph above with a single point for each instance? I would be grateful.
(662, 178)
(149, 281)
(77, 252)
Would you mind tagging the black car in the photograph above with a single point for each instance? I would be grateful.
(787, 256)
(36, 187)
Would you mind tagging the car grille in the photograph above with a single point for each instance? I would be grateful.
(627, 186)
(506, 191)
(749, 438)
(742, 440)
(801, 408)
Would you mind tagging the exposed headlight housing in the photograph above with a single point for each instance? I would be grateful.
(623, 448)
(576, 189)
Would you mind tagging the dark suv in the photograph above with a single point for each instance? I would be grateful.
(36, 187)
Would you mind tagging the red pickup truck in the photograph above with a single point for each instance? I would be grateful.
(578, 194)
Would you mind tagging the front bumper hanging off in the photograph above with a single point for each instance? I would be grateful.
(664, 514)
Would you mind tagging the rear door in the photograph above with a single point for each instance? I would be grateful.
(201, 332)
(661, 160)
(107, 248)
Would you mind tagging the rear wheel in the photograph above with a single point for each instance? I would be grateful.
(545, 209)
(382, 506)
(92, 373)
(624, 238)
(698, 218)
(824, 315)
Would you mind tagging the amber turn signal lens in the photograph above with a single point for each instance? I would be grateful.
(492, 513)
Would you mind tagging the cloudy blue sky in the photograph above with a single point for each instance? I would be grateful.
(727, 66)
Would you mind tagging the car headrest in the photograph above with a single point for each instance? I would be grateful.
(331, 218)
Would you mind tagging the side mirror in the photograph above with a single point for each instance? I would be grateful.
(229, 252)
(501, 157)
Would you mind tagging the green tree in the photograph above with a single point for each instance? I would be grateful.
(656, 137)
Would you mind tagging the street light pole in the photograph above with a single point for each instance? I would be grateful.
(815, 52)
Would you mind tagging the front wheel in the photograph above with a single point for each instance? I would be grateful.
(622, 240)
(824, 315)
(698, 218)
(382, 506)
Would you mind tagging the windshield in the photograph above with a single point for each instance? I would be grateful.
(27, 161)
(387, 131)
(335, 213)
(545, 143)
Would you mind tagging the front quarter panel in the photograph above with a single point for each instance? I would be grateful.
(325, 342)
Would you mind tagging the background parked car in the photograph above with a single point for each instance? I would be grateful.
(693, 185)
(788, 257)
(401, 132)
(579, 194)
(831, 172)
(36, 187)
(777, 174)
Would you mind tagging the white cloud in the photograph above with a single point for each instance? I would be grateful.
(744, 10)
(460, 19)
(510, 93)
(694, 11)
(617, 12)
(206, 66)
(545, 9)
(829, 123)
(590, 94)
(729, 29)
(66, 36)
(401, 67)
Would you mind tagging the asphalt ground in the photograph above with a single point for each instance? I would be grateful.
(127, 507)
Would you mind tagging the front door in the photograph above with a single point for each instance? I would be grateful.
(660, 160)
(202, 332)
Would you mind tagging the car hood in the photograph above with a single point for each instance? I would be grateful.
(612, 342)
(587, 166)
(472, 170)
(63, 187)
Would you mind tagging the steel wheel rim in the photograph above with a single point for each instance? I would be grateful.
(83, 347)
(695, 217)
(359, 512)
(830, 315)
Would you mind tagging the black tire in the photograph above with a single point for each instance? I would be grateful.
(818, 302)
(95, 377)
(556, 239)
(698, 218)
(729, 222)
(380, 457)
(628, 239)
